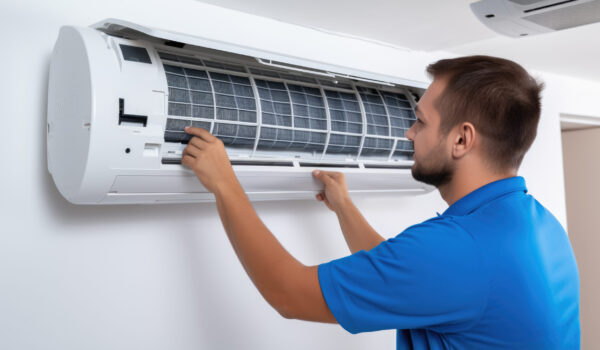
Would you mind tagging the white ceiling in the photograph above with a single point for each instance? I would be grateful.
(447, 25)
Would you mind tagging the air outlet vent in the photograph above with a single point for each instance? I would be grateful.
(520, 18)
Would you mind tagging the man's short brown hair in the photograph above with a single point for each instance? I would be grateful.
(498, 97)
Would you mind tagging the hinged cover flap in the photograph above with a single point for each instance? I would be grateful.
(131, 30)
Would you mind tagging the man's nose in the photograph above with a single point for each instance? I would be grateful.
(410, 133)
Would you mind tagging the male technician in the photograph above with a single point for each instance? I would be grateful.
(494, 271)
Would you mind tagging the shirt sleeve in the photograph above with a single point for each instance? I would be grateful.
(430, 276)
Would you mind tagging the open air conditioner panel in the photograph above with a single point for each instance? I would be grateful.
(278, 116)
(297, 112)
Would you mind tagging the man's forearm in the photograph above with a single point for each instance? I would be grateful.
(262, 256)
(358, 233)
(290, 287)
(286, 284)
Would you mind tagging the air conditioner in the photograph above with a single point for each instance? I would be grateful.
(120, 95)
(518, 18)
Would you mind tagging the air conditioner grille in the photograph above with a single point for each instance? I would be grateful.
(275, 103)
(270, 111)
(400, 112)
(276, 138)
(345, 112)
(308, 107)
(526, 2)
(568, 17)
(377, 118)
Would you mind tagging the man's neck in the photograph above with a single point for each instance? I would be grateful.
(466, 181)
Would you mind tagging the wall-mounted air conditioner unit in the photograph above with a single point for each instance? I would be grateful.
(518, 18)
(120, 95)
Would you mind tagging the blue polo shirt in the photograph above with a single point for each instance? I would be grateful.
(494, 271)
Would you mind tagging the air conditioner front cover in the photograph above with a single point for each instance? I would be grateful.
(120, 95)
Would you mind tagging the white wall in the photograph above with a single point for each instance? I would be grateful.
(543, 166)
(165, 277)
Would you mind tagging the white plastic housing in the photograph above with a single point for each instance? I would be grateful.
(518, 18)
(107, 120)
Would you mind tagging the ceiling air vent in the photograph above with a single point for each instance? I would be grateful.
(518, 18)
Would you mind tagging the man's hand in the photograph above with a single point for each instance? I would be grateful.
(206, 156)
(335, 195)
(358, 233)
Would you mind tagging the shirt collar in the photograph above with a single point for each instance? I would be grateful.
(485, 194)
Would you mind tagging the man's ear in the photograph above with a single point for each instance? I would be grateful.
(463, 139)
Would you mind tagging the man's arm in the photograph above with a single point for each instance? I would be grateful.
(358, 233)
(286, 284)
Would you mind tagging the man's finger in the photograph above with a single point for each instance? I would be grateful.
(322, 176)
(323, 172)
(187, 160)
(191, 151)
(336, 175)
(197, 142)
(201, 133)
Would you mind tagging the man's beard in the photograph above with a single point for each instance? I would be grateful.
(434, 176)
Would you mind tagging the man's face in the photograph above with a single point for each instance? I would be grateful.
(432, 160)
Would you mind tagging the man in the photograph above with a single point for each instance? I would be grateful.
(494, 271)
